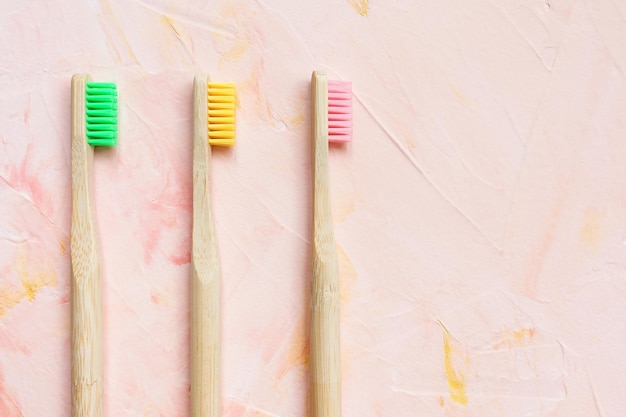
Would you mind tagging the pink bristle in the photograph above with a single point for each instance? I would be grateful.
(339, 111)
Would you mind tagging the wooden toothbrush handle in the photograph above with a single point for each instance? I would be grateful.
(325, 352)
(325, 348)
(205, 343)
(86, 281)
(206, 275)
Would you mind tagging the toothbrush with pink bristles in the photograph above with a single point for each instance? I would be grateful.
(332, 121)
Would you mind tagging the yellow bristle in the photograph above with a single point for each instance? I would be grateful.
(221, 113)
(222, 106)
(221, 120)
(221, 127)
(222, 142)
(222, 134)
(222, 86)
(221, 99)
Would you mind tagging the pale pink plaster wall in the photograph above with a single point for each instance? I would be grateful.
(480, 212)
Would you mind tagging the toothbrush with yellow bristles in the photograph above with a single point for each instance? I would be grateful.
(214, 125)
(94, 123)
(332, 122)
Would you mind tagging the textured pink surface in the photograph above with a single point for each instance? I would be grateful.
(480, 211)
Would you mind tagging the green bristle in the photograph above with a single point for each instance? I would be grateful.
(103, 98)
(103, 142)
(92, 84)
(102, 134)
(101, 111)
(99, 127)
(101, 120)
(101, 106)
(102, 91)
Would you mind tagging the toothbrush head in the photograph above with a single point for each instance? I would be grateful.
(339, 111)
(221, 113)
(101, 112)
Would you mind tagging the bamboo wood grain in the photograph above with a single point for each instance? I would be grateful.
(86, 280)
(206, 271)
(325, 353)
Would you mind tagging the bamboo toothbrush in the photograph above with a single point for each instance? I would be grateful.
(214, 124)
(94, 123)
(332, 121)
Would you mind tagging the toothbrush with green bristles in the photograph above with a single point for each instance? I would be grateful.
(101, 112)
(94, 123)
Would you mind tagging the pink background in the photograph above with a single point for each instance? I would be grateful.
(480, 212)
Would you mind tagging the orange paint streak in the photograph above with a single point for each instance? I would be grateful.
(360, 6)
(297, 354)
(522, 336)
(34, 283)
(270, 114)
(454, 361)
(457, 93)
(298, 119)
(344, 209)
(63, 245)
(347, 275)
(32, 280)
(9, 298)
(590, 230)
(518, 338)
(233, 48)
